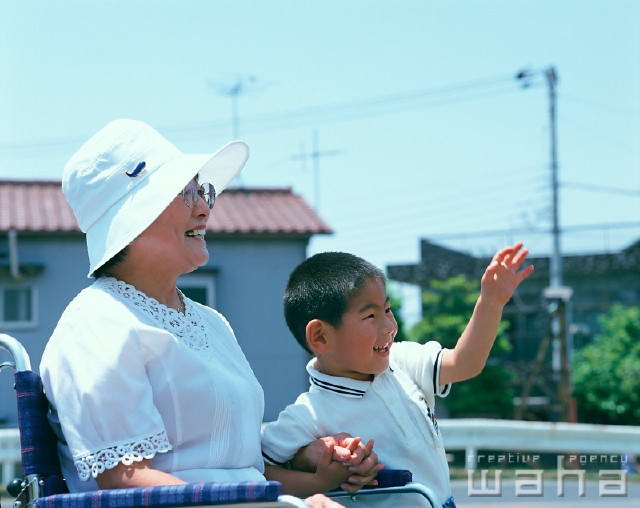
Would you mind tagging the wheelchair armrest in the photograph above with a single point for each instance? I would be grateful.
(168, 496)
(392, 481)
(392, 478)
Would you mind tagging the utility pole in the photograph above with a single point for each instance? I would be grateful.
(557, 295)
(555, 263)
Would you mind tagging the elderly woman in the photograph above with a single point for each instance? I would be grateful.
(147, 386)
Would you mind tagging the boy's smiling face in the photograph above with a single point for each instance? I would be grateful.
(360, 346)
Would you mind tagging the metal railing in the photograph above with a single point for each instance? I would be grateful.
(9, 454)
(472, 435)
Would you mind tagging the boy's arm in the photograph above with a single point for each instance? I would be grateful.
(500, 280)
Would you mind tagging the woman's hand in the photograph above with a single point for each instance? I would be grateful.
(361, 460)
(330, 474)
(322, 501)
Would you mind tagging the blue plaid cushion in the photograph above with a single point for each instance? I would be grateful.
(392, 478)
(38, 442)
(168, 496)
(449, 503)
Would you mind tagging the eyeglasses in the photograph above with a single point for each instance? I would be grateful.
(191, 192)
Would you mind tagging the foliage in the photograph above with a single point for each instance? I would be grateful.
(396, 306)
(447, 308)
(606, 373)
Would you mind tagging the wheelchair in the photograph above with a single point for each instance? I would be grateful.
(43, 486)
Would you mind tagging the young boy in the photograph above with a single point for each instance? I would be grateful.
(337, 308)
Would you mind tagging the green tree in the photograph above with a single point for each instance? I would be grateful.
(396, 305)
(447, 308)
(606, 373)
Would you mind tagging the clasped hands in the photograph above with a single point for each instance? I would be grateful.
(341, 457)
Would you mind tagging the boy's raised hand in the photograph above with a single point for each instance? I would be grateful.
(500, 280)
(503, 275)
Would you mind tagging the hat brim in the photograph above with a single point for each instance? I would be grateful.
(136, 211)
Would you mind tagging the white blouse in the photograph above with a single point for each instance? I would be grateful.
(131, 379)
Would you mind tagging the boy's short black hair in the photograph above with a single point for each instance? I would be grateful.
(321, 287)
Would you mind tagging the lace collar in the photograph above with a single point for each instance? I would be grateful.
(188, 328)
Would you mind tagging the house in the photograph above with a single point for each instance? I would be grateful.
(255, 237)
(597, 281)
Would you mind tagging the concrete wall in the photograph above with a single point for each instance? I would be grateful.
(249, 287)
(65, 270)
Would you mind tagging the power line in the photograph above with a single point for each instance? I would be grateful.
(566, 229)
(458, 199)
(484, 243)
(598, 105)
(602, 189)
(328, 113)
(595, 133)
(351, 111)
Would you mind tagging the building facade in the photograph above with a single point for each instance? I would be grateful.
(255, 238)
(596, 282)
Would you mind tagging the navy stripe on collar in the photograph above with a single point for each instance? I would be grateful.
(343, 390)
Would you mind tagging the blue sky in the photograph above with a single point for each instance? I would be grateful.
(424, 129)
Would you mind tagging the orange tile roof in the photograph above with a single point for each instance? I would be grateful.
(40, 206)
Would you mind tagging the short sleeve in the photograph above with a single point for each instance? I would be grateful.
(94, 374)
(421, 362)
(294, 428)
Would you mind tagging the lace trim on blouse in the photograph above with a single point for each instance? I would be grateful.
(188, 328)
(93, 464)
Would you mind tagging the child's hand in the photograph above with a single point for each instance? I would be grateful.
(359, 459)
(362, 462)
(502, 277)
(330, 474)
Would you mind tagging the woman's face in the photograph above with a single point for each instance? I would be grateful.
(175, 240)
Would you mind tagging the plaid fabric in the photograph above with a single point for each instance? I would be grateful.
(38, 442)
(392, 478)
(192, 494)
(53, 485)
(449, 503)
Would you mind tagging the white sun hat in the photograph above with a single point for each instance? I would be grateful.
(126, 174)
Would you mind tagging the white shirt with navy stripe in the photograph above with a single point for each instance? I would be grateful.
(396, 409)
